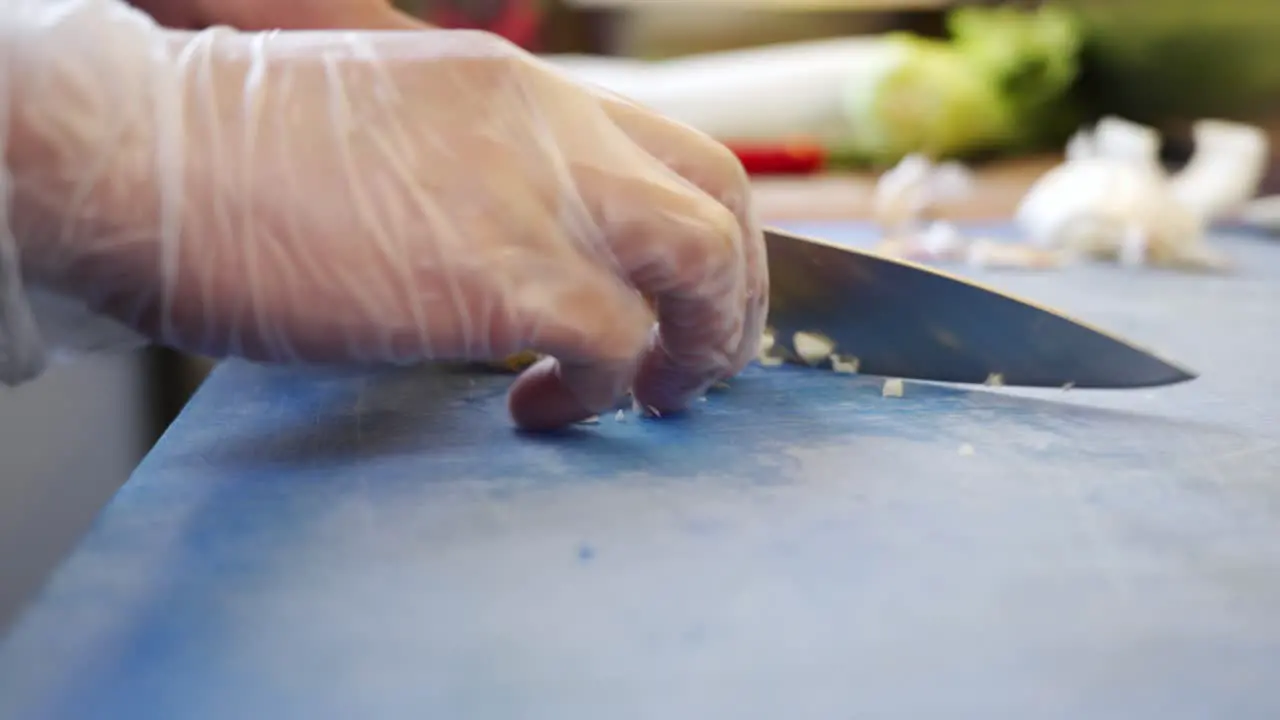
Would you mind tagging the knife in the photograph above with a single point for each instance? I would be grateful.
(904, 320)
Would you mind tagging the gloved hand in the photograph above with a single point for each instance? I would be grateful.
(371, 198)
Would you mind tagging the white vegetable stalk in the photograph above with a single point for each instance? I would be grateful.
(769, 93)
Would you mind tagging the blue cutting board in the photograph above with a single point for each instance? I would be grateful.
(322, 544)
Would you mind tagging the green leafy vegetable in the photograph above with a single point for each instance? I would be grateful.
(1001, 83)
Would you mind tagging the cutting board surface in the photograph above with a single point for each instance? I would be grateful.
(326, 544)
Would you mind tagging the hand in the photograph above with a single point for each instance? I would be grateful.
(390, 197)
(280, 14)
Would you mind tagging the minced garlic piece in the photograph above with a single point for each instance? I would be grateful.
(767, 341)
(517, 362)
(892, 388)
(843, 365)
(812, 347)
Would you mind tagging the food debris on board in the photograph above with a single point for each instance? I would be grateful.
(893, 387)
(644, 410)
(1111, 201)
(936, 242)
(906, 200)
(993, 254)
(768, 354)
(914, 189)
(966, 450)
(845, 364)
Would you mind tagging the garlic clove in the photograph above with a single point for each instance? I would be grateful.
(1226, 168)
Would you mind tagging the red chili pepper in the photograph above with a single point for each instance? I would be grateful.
(519, 21)
(798, 158)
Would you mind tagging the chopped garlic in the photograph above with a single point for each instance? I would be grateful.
(841, 365)
(915, 188)
(644, 410)
(992, 254)
(767, 341)
(892, 388)
(593, 420)
(1133, 247)
(942, 239)
(769, 360)
(995, 380)
(966, 449)
(1068, 386)
(620, 416)
(921, 248)
(812, 348)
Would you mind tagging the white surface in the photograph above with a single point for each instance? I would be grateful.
(67, 440)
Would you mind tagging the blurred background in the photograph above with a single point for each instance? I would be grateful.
(1000, 91)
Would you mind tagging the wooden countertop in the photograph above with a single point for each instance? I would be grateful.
(847, 196)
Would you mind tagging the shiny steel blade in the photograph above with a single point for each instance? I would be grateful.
(904, 320)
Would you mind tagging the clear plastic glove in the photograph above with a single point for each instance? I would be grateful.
(372, 198)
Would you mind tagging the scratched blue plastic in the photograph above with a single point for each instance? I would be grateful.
(326, 544)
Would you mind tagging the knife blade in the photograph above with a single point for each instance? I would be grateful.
(904, 320)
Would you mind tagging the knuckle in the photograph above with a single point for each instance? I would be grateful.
(491, 45)
(713, 245)
(709, 164)
(723, 175)
(728, 169)
(491, 61)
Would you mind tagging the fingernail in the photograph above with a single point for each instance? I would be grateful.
(540, 400)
